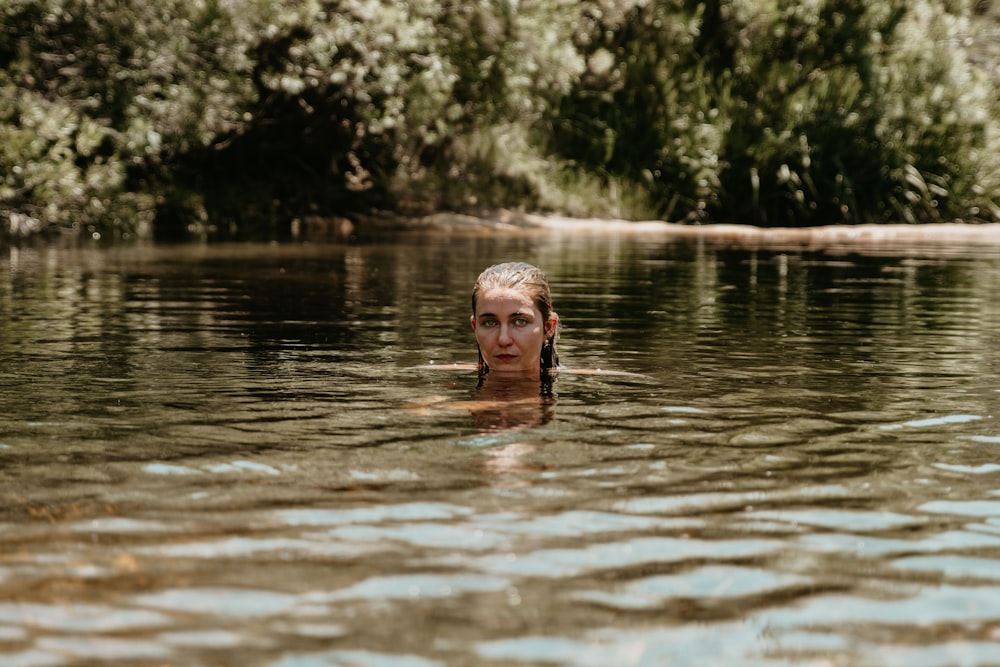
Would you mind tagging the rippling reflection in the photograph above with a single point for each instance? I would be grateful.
(246, 454)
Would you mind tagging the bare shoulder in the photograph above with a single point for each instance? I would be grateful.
(600, 371)
(448, 367)
(562, 370)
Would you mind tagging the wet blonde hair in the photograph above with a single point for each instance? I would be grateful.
(530, 280)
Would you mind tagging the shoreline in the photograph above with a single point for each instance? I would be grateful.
(865, 238)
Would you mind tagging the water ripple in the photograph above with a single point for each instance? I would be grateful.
(714, 583)
(561, 563)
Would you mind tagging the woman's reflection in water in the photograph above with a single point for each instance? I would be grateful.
(502, 405)
(508, 404)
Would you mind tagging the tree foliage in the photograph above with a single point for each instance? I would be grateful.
(785, 112)
(118, 117)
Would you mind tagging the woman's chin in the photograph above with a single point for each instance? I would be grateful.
(512, 368)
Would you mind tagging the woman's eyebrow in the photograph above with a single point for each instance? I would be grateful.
(494, 316)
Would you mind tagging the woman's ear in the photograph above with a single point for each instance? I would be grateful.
(551, 324)
(472, 321)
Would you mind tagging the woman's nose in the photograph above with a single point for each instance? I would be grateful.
(505, 338)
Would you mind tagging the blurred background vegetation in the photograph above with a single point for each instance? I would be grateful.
(244, 119)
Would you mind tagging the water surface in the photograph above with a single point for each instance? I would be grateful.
(237, 455)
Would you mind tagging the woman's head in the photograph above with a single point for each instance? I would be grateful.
(513, 319)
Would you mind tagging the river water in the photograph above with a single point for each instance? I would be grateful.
(244, 454)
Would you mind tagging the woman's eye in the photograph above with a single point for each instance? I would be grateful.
(489, 323)
(521, 322)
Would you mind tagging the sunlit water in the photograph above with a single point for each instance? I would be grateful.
(214, 456)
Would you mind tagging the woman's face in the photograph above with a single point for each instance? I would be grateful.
(510, 330)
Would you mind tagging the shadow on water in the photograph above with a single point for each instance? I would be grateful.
(238, 454)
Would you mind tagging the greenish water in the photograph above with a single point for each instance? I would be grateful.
(231, 455)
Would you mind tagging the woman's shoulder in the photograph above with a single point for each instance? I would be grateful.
(448, 367)
(597, 371)
(560, 370)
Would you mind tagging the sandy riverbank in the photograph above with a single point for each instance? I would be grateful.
(934, 238)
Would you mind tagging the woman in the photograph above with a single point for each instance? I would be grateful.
(514, 323)
(515, 330)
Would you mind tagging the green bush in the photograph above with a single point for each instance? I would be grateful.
(121, 117)
(102, 97)
(787, 113)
